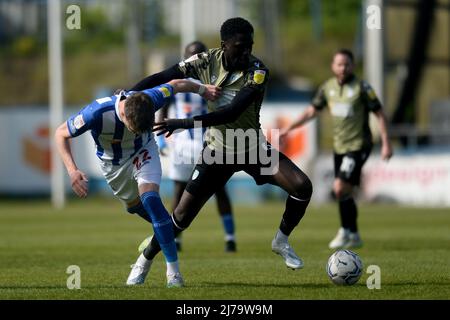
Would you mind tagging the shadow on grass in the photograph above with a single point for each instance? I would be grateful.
(263, 285)
(49, 287)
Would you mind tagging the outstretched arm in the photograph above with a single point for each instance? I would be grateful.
(159, 78)
(77, 178)
(209, 92)
(308, 114)
(386, 148)
(224, 115)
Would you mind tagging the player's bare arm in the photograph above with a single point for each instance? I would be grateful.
(386, 148)
(309, 114)
(207, 91)
(78, 179)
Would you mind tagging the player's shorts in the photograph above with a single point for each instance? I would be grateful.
(184, 155)
(144, 167)
(348, 166)
(207, 178)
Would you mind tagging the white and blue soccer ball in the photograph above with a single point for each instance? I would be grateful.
(344, 267)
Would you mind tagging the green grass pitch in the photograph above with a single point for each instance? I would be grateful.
(37, 244)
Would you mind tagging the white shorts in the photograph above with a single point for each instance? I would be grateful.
(144, 167)
(184, 155)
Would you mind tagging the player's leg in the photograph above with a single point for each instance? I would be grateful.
(205, 181)
(163, 231)
(182, 162)
(226, 215)
(147, 173)
(343, 191)
(179, 187)
(135, 207)
(299, 188)
(347, 176)
(123, 185)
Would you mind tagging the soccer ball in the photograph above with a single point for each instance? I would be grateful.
(344, 267)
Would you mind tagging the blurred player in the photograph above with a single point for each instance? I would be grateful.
(120, 126)
(349, 100)
(243, 80)
(186, 147)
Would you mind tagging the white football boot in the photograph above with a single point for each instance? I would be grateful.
(175, 280)
(354, 241)
(340, 240)
(139, 271)
(284, 249)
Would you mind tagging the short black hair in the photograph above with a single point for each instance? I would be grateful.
(346, 52)
(140, 112)
(193, 48)
(234, 26)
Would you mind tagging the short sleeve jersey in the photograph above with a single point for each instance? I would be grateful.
(115, 144)
(208, 68)
(349, 105)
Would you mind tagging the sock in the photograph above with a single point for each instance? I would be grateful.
(281, 237)
(143, 261)
(153, 248)
(230, 237)
(172, 267)
(228, 225)
(349, 213)
(140, 210)
(294, 212)
(162, 225)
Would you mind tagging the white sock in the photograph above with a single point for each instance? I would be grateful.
(143, 261)
(229, 237)
(281, 237)
(172, 267)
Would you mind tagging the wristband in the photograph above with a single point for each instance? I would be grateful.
(201, 89)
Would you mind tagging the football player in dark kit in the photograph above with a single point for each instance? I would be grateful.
(234, 133)
(350, 100)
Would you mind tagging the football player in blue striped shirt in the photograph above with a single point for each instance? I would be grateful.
(121, 128)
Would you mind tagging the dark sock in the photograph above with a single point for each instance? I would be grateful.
(294, 212)
(349, 213)
(228, 223)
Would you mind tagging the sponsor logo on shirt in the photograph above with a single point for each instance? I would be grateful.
(259, 76)
(78, 122)
(165, 92)
(371, 94)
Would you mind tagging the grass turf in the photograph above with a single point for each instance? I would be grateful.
(38, 243)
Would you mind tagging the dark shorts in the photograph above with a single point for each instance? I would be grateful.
(348, 166)
(208, 177)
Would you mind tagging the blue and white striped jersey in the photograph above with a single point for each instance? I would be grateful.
(115, 143)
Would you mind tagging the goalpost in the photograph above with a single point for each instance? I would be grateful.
(56, 97)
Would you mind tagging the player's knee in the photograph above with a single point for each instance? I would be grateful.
(341, 194)
(304, 189)
(181, 221)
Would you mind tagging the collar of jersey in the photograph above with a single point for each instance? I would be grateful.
(347, 81)
(116, 105)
